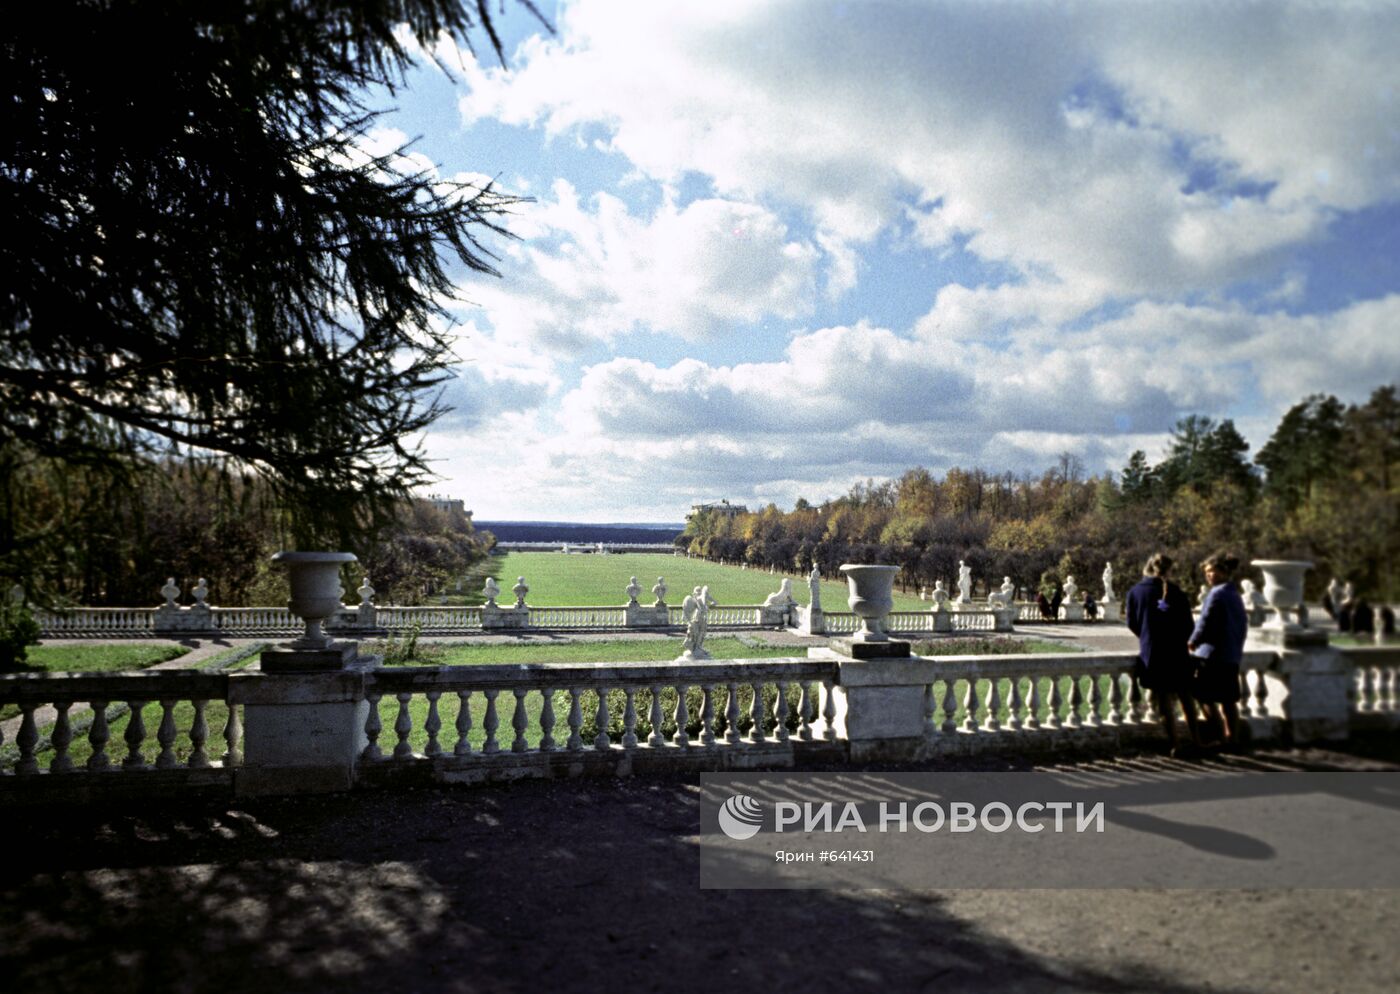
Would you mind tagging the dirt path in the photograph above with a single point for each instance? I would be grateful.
(592, 886)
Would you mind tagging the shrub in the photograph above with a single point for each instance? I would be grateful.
(18, 629)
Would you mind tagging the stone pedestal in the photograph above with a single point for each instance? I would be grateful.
(942, 620)
(811, 621)
(1316, 679)
(184, 620)
(879, 704)
(645, 615)
(303, 721)
(493, 617)
(1071, 612)
(1109, 611)
(1004, 619)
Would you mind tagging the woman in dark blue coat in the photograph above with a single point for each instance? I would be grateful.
(1159, 614)
(1218, 642)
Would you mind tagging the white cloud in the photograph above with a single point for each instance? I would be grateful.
(1061, 140)
(695, 271)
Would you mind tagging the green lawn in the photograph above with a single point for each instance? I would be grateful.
(93, 659)
(559, 580)
(109, 658)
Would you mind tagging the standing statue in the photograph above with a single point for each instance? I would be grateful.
(695, 611)
(814, 584)
(964, 583)
(1107, 582)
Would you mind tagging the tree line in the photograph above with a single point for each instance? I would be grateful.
(1323, 488)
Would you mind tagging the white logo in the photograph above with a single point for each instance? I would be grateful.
(741, 817)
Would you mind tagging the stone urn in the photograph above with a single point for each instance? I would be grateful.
(315, 581)
(871, 598)
(1283, 589)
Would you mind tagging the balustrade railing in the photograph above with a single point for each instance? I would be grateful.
(1376, 691)
(577, 617)
(540, 715)
(256, 619)
(86, 620)
(78, 723)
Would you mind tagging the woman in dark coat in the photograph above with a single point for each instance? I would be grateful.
(1159, 614)
(1218, 643)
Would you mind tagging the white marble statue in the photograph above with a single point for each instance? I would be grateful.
(1201, 596)
(781, 597)
(695, 611)
(170, 591)
(492, 590)
(634, 589)
(659, 591)
(939, 597)
(814, 585)
(1004, 595)
(964, 583)
(1071, 591)
(1107, 582)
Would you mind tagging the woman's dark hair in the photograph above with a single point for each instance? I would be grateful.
(1159, 565)
(1224, 562)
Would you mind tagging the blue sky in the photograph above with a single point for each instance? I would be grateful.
(779, 247)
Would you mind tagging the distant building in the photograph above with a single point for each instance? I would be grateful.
(448, 504)
(717, 507)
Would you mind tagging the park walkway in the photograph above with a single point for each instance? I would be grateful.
(592, 886)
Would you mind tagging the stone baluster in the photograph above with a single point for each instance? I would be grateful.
(1115, 699)
(372, 728)
(98, 735)
(681, 737)
(780, 713)
(463, 746)
(575, 720)
(519, 722)
(1095, 720)
(829, 709)
(1076, 702)
(27, 739)
(1261, 694)
(1033, 703)
(165, 735)
(547, 719)
(1052, 719)
(805, 711)
(930, 707)
(61, 737)
(403, 727)
(991, 723)
(432, 724)
(629, 719)
(135, 736)
(950, 707)
(1153, 715)
(233, 737)
(731, 715)
(1014, 705)
(491, 722)
(601, 740)
(1367, 696)
(199, 735)
(656, 739)
(1135, 706)
(970, 706)
(757, 715)
(707, 716)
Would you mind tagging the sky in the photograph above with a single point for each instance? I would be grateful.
(776, 248)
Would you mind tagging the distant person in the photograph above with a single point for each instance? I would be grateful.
(1344, 612)
(1091, 607)
(1218, 644)
(1159, 614)
(1055, 602)
(1387, 616)
(1043, 603)
(1363, 619)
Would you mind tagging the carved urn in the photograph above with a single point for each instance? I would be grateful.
(1283, 589)
(314, 578)
(871, 598)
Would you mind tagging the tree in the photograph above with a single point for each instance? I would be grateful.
(1303, 449)
(199, 257)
